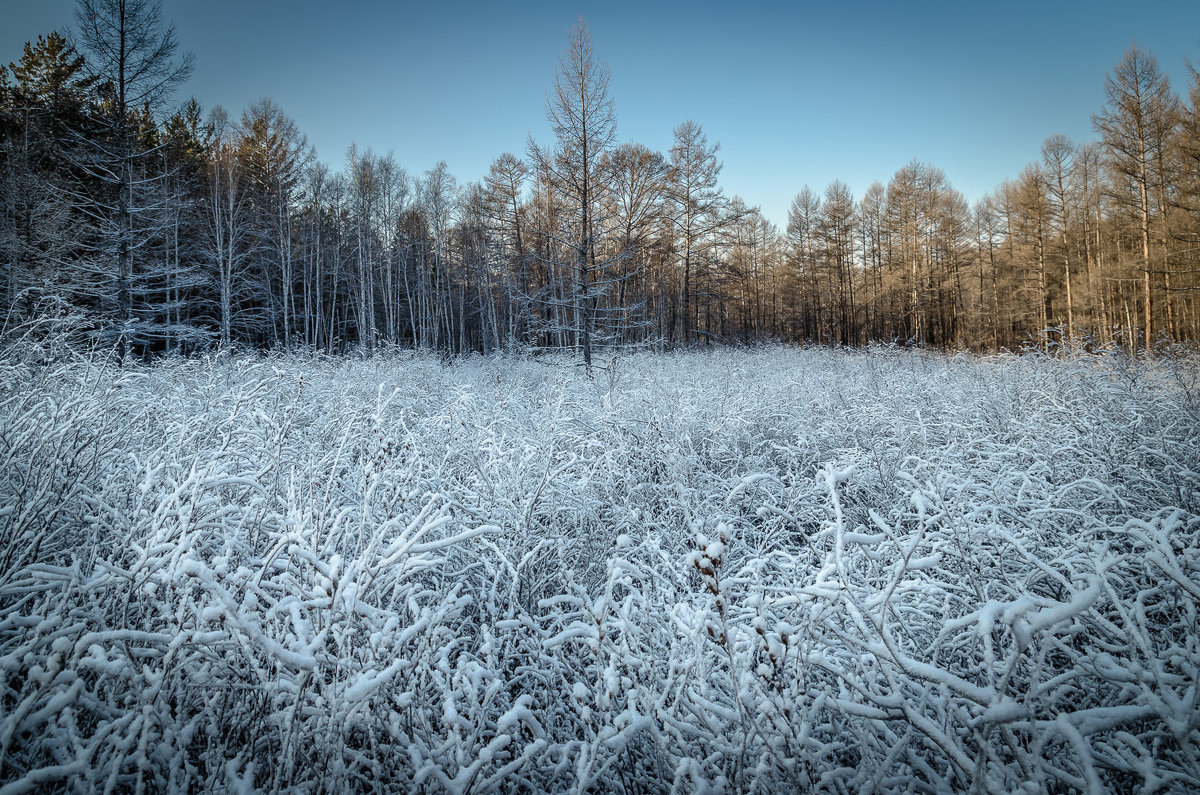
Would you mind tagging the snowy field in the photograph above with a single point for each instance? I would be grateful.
(744, 571)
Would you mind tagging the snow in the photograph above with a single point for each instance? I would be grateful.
(757, 570)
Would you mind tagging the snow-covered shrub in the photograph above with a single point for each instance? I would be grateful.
(767, 570)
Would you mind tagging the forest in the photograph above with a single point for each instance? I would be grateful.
(162, 227)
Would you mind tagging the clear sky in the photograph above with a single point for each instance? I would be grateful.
(796, 93)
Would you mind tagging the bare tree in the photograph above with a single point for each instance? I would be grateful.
(581, 114)
(637, 181)
(1058, 153)
(131, 53)
(438, 193)
(872, 236)
(1139, 100)
(230, 239)
(504, 186)
(275, 156)
(1086, 174)
(698, 203)
(802, 242)
(836, 225)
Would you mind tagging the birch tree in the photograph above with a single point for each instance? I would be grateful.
(275, 156)
(230, 243)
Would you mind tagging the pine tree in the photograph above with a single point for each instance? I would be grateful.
(41, 226)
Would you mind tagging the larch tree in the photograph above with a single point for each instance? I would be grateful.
(872, 235)
(1033, 205)
(132, 56)
(474, 243)
(1188, 148)
(1058, 152)
(1086, 174)
(140, 228)
(637, 181)
(802, 282)
(504, 188)
(908, 224)
(275, 156)
(836, 225)
(1139, 98)
(698, 203)
(987, 231)
(581, 114)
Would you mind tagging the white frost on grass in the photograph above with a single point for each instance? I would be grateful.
(769, 570)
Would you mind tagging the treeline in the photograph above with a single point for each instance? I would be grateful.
(159, 232)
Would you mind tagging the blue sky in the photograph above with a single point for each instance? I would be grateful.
(796, 93)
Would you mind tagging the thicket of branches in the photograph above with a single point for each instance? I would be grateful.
(183, 230)
(777, 570)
